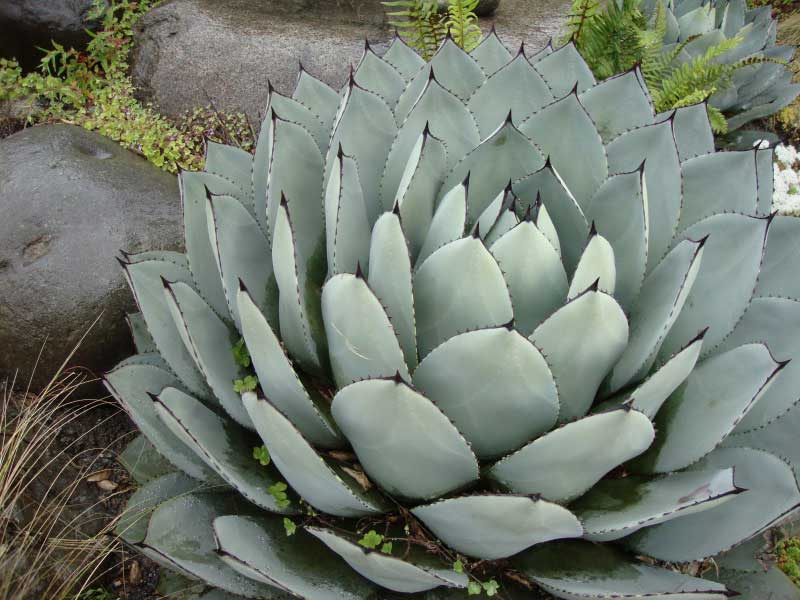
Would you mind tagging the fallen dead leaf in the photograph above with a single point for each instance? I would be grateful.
(99, 476)
(135, 573)
(107, 485)
(359, 476)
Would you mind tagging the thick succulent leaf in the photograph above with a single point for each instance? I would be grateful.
(194, 189)
(299, 309)
(491, 54)
(447, 119)
(494, 526)
(390, 280)
(624, 194)
(295, 170)
(240, 247)
(221, 444)
(448, 223)
(143, 462)
(582, 341)
(726, 280)
(317, 96)
(577, 570)
(774, 321)
(507, 221)
(772, 492)
(290, 109)
(618, 104)
(563, 70)
(783, 96)
(403, 58)
(696, 22)
(558, 129)
(259, 548)
(347, 220)
(132, 385)
(615, 508)
(780, 258)
(764, 172)
(596, 265)
(419, 188)
(663, 295)
(703, 412)
(132, 523)
(362, 342)
(145, 279)
(581, 453)
(365, 130)
(142, 340)
(391, 572)
(379, 77)
(713, 183)
(692, 131)
(533, 272)
(759, 583)
(180, 533)
(778, 437)
(546, 225)
(458, 287)
(489, 216)
(455, 70)
(235, 166)
(655, 390)
(504, 156)
(382, 418)
(491, 376)
(655, 144)
(317, 481)
(279, 380)
(516, 88)
(562, 210)
(209, 339)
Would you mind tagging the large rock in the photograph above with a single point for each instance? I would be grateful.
(71, 200)
(190, 53)
(26, 24)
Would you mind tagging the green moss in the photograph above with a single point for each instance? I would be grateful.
(788, 553)
(92, 89)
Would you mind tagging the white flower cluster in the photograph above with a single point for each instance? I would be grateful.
(786, 178)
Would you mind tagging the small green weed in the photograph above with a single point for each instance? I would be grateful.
(788, 553)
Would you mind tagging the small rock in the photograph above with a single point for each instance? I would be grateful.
(28, 24)
(71, 200)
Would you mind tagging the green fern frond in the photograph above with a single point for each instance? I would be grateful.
(462, 23)
(418, 22)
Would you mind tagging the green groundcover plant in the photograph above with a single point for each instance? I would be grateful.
(92, 88)
(412, 348)
(689, 52)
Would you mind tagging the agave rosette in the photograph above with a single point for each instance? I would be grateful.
(759, 89)
(492, 304)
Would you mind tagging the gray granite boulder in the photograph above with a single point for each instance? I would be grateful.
(190, 53)
(26, 24)
(71, 200)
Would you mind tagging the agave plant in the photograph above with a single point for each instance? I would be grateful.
(502, 325)
(763, 84)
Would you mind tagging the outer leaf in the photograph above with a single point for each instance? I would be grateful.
(403, 58)
(319, 483)
(564, 69)
(493, 526)
(142, 340)
(491, 54)
(780, 258)
(582, 452)
(596, 265)
(380, 418)
(619, 104)
(279, 380)
(379, 77)
(143, 462)
(222, 445)
(388, 571)
(448, 222)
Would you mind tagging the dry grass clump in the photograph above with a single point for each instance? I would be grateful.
(49, 548)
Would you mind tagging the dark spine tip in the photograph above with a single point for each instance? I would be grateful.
(122, 263)
(538, 203)
(700, 335)
(465, 183)
(242, 286)
(351, 81)
(782, 364)
(640, 169)
(521, 51)
(271, 88)
(209, 195)
(509, 325)
(427, 130)
(528, 218)
(574, 90)
(592, 230)
(627, 406)
(340, 152)
(509, 117)
(547, 163)
(448, 36)
(396, 208)
(367, 47)
(359, 272)
(702, 241)
(476, 233)
(397, 378)
(165, 282)
(771, 217)
(509, 187)
(284, 201)
(431, 75)
(493, 31)
(595, 286)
